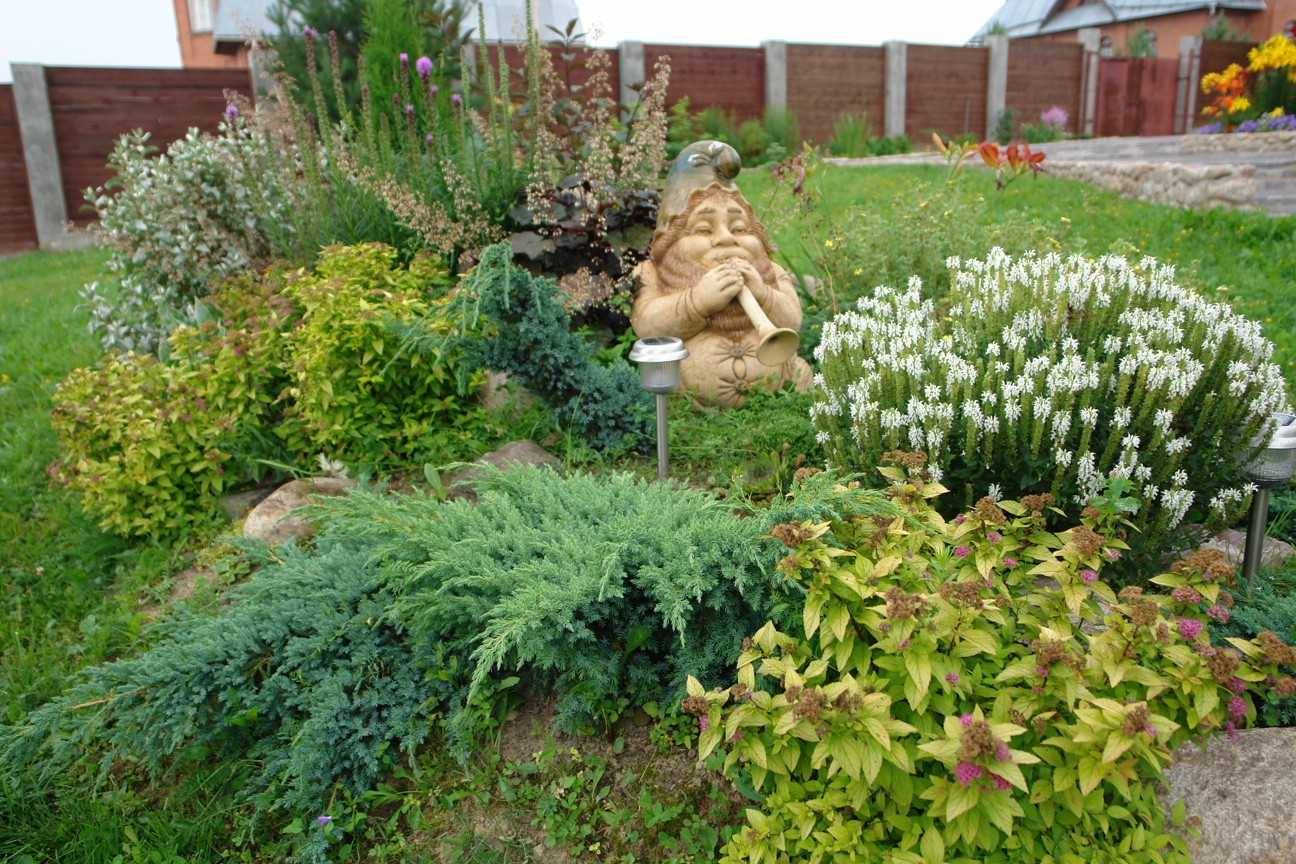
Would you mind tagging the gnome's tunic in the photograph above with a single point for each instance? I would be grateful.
(722, 365)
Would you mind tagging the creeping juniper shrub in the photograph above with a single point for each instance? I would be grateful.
(935, 704)
(1271, 609)
(1053, 373)
(515, 322)
(549, 577)
(301, 671)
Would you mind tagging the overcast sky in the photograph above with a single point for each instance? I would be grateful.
(143, 32)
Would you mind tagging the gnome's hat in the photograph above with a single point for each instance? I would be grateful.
(699, 165)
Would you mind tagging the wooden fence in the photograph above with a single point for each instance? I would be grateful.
(952, 90)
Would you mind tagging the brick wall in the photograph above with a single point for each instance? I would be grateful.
(858, 76)
(733, 78)
(945, 90)
(1044, 74)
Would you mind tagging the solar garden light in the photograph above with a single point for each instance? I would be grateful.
(1272, 467)
(659, 360)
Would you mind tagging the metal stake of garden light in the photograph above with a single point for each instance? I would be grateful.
(659, 360)
(1272, 467)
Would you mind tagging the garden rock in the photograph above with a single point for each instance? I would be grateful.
(1233, 544)
(240, 503)
(272, 519)
(509, 456)
(1243, 795)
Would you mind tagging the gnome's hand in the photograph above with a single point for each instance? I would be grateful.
(716, 289)
(752, 279)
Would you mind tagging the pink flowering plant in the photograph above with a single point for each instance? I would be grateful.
(939, 707)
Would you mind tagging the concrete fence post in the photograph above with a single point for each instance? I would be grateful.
(996, 81)
(1091, 39)
(897, 66)
(40, 150)
(775, 74)
(633, 73)
(1189, 74)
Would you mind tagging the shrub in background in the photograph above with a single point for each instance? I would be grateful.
(1271, 608)
(179, 222)
(1054, 373)
(938, 707)
(853, 138)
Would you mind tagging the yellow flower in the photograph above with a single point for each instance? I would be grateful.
(1277, 112)
(1239, 105)
(859, 271)
(4, 379)
(1278, 53)
(828, 243)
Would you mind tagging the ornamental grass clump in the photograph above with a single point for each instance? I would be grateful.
(1052, 373)
(946, 701)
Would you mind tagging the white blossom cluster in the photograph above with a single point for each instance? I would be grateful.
(1052, 372)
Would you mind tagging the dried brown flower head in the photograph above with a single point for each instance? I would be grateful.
(1086, 540)
(987, 510)
(1212, 564)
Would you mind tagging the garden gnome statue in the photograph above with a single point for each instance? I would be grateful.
(709, 280)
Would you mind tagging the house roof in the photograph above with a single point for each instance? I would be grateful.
(1036, 17)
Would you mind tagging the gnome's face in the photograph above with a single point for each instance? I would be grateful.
(717, 230)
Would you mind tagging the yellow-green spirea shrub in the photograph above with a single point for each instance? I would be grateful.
(1053, 373)
(354, 393)
(303, 357)
(971, 690)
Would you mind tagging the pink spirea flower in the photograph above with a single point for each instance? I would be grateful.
(960, 519)
(1186, 594)
(736, 736)
(1000, 783)
(1042, 671)
(1231, 728)
(965, 720)
(1010, 562)
(1237, 707)
(1055, 117)
(952, 677)
(961, 551)
(1235, 685)
(423, 66)
(705, 723)
(994, 536)
(1002, 753)
(1089, 576)
(1113, 554)
(966, 772)
(1189, 628)
(1218, 613)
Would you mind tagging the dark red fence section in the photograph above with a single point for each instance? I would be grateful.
(945, 90)
(732, 78)
(92, 108)
(825, 82)
(17, 221)
(1136, 96)
(1042, 75)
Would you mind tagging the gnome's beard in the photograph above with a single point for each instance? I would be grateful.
(676, 273)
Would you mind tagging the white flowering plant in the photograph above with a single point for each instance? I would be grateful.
(1053, 373)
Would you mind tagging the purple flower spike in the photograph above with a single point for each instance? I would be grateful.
(457, 100)
(428, 139)
(323, 820)
(231, 112)
(409, 110)
(434, 91)
(404, 60)
(309, 32)
(423, 66)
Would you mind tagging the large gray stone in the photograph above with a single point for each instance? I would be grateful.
(273, 521)
(510, 455)
(1243, 792)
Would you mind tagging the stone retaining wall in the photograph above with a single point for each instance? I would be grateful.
(1252, 142)
(1200, 187)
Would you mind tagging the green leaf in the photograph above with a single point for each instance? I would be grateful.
(1178, 813)
(932, 846)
